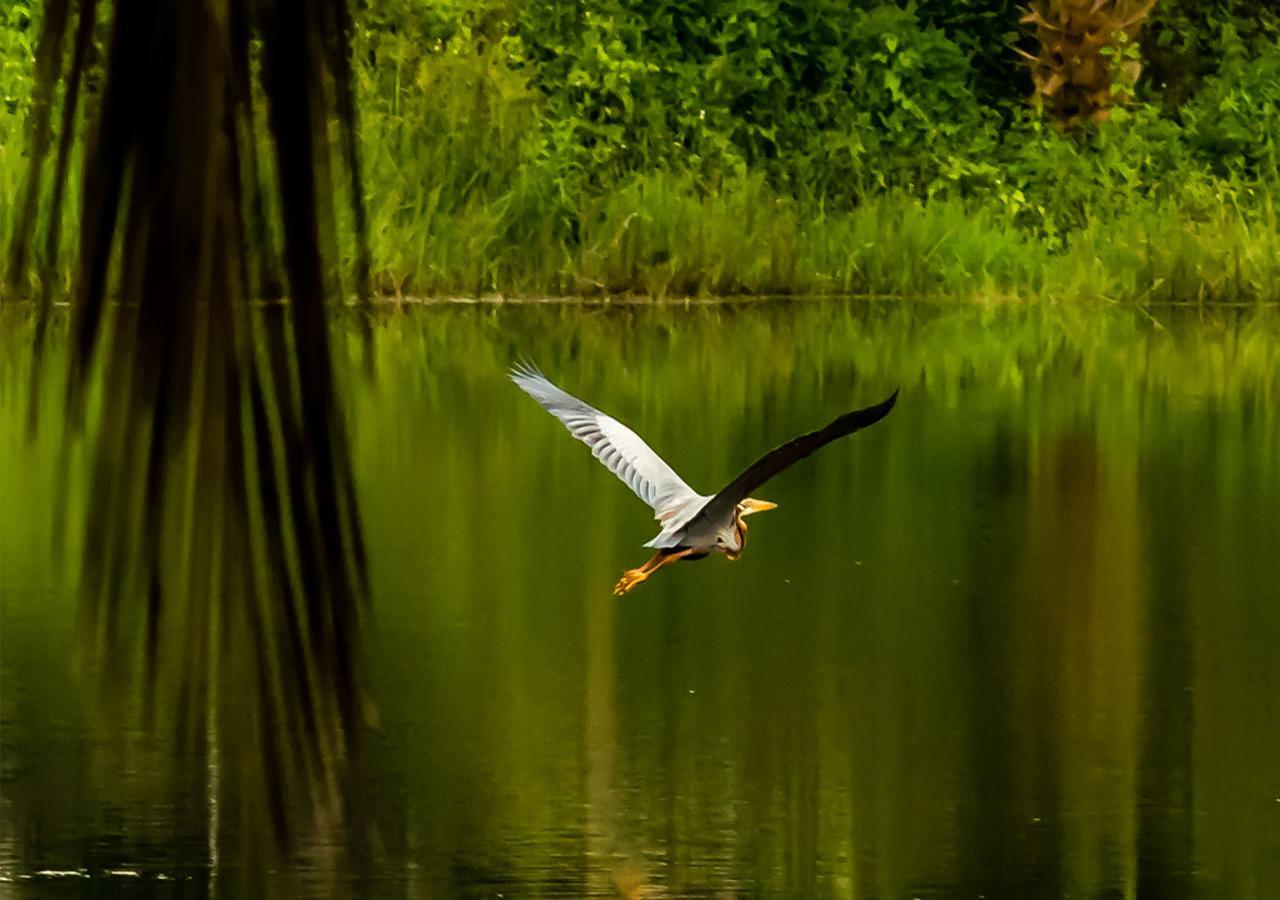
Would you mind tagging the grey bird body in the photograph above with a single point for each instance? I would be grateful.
(693, 525)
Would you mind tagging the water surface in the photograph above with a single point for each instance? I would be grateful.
(1019, 639)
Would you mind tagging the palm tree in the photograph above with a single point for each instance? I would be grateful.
(1087, 60)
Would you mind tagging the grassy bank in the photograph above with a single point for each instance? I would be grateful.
(659, 236)
(538, 148)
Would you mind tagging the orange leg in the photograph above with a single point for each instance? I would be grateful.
(632, 577)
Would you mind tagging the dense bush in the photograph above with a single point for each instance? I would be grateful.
(986, 30)
(17, 51)
(1186, 41)
(805, 93)
(1233, 121)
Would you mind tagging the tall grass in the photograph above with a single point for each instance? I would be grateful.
(661, 235)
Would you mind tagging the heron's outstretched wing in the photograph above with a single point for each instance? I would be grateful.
(792, 451)
(614, 444)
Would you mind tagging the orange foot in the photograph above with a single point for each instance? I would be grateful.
(629, 579)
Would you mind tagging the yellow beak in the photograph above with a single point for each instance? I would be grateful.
(751, 505)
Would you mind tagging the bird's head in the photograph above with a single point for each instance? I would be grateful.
(751, 505)
(734, 536)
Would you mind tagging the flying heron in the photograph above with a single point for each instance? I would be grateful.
(693, 525)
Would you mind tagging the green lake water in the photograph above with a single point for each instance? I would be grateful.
(1020, 639)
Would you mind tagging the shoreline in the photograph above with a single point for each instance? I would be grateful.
(940, 300)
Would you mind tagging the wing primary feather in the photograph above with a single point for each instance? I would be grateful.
(786, 455)
(617, 447)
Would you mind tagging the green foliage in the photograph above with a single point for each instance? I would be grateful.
(805, 93)
(18, 31)
(1185, 41)
(17, 62)
(986, 30)
(909, 101)
(780, 146)
(1056, 184)
(1234, 120)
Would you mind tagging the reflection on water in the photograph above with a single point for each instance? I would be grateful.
(1019, 640)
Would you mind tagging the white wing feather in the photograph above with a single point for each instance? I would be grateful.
(620, 449)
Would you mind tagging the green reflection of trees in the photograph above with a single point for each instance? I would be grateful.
(969, 705)
(222, 567)
(977, 647)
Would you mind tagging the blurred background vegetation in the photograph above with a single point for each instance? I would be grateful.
(777, 146)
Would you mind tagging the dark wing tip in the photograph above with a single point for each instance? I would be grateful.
(869, 415)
